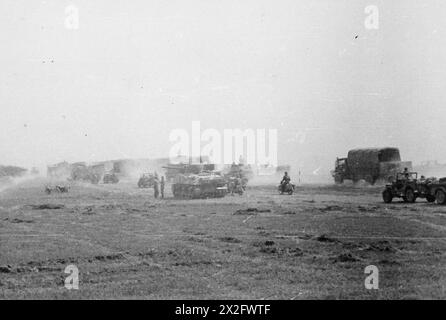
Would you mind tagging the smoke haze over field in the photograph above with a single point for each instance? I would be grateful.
(136, 70)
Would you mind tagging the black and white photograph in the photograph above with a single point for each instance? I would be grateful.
(249, 151)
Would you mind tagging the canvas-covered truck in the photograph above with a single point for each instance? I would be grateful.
(371, 165)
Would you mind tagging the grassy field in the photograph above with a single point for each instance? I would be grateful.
(314, 244)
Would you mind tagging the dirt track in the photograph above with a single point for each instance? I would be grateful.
(314, 244)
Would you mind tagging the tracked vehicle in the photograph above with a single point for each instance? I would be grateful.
(195, 186)
(173, 170)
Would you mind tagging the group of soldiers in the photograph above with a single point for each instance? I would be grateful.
(158, 184)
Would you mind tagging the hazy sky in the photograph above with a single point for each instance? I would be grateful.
(135, 70)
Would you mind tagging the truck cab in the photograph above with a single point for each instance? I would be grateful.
(340, 170)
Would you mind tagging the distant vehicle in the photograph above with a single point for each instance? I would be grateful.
(110, 178)
(409, 188)
(60, 170)
(147, 180)
(81, 172)
(287, 188)
(370, 165)
(12, 171)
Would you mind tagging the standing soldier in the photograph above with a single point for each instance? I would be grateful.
(156, 187)
(163, 182)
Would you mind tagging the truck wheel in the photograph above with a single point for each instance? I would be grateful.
(387, 196)
(410, 195)
(430, 198)
(440, 196)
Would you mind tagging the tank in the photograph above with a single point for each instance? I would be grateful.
(173, 170)
(195, 186)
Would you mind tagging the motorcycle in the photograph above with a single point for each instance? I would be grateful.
(287, 187)
(235, 187)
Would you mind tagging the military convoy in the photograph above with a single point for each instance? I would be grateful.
(370, 165)
(200, 180)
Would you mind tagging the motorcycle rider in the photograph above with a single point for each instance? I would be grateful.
(285, 180)
(238, 183)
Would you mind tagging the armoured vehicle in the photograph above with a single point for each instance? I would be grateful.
(369, 164)
(173, 170)
(407, 186)
(203, 185)
(146, 180)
